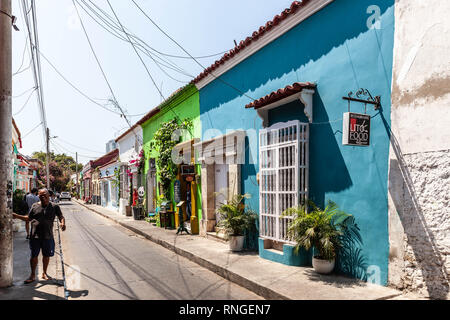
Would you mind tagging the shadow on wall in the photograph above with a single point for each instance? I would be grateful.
(248, 172)
(304, 44)
(350, 260)
(419, 235)
(328, 170)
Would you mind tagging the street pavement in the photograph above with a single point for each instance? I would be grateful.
(40, 289)
(104, 260)
(268, 279)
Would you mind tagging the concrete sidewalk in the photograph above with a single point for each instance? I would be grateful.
(268, 279)
(40, 289)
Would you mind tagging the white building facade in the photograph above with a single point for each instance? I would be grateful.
(419, 166)
(129, 145)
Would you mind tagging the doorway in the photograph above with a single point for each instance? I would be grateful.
(220, 186)
(151, 191)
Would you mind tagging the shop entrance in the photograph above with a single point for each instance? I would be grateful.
(187, 193)
(106, 193)
(151, 186)
(220, 186)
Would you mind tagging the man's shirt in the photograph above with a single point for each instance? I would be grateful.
(44, 217)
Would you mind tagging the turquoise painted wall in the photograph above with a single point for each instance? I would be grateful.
(335, 49)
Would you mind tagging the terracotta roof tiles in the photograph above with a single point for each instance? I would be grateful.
(280, 94)
(296, 5)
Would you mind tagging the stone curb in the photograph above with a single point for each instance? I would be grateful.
(221, 271)
(255, 287)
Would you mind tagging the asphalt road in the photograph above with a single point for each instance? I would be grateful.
(106, 261)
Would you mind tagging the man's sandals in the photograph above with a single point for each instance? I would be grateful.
(30, 280)
(46, 277)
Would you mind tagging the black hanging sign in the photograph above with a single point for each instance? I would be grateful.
(356, 130)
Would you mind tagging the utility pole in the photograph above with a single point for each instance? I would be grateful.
(48, 158)
(76, 168)
(6, 230)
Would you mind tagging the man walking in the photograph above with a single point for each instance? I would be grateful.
(41, 217)
(30, 199)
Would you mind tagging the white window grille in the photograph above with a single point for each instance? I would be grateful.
(284, 168)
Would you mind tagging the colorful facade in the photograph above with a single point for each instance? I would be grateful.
(129, 145)
(181, 105)
(294, 72)
(109, 189)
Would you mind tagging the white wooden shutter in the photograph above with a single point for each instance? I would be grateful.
(284, 160)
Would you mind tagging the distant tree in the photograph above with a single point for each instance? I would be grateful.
(61, 167)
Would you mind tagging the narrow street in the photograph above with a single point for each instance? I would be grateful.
(106, 261)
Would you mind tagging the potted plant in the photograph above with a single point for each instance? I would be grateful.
(319, 229)
(236, 218)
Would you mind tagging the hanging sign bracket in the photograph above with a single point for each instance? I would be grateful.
(359, 97)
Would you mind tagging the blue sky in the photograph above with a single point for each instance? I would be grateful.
(202, 27)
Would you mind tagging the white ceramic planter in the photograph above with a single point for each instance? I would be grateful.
(323, 266)
(236, 243)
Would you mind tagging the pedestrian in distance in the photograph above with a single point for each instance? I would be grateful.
(41, 217)
(52, 195)
(30, 199)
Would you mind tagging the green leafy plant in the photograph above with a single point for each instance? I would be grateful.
(321, 229)
(235, 217)
(167, 169)
(116, 180)
(19, 205)
(160, 200)
(157, 221)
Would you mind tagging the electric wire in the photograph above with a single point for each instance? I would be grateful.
(129, 40)
(138, 139)
(67, 150)
(140, 44)
(23, 137)
(154, 83)
(26, 11)
(24, 50)
(182, 48)
(99, 65)
(59, 138)
(19, 70)
(25, 104)
(23, 93)
(81, 92)
(116, 30)
(157, 51)
(134, 48)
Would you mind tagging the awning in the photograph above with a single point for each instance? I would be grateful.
(302, 91)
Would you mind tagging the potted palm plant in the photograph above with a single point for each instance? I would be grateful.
(318, 229)
(236, 218)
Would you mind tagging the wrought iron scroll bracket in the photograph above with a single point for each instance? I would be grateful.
(364, 96)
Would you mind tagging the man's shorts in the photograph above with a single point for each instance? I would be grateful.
(47, 246)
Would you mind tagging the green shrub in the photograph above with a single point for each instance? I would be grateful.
(235, 216)
(321, 229)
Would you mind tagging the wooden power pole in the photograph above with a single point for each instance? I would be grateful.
(76, 168)
(6, 229)
(47, 166)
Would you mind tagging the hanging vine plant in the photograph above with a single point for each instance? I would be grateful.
(165, 144)
(116, 180)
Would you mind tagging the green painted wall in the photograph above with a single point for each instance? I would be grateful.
(183, 104)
